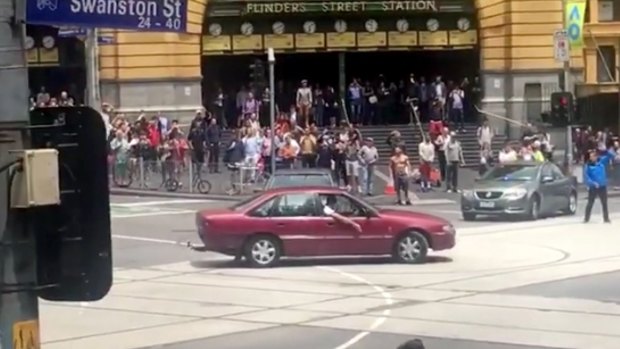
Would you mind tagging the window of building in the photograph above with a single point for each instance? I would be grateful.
(606, 64)
(607, 12)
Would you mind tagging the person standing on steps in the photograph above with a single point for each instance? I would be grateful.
(595, 177)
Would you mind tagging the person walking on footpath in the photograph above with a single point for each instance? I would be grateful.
(595, 178)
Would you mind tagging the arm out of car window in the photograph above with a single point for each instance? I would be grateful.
(341, 219)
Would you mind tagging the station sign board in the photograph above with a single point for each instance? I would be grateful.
(341, 6)
(144, 15)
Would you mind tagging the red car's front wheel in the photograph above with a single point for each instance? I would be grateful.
(411, 248)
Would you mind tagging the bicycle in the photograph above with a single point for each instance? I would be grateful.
(202, 185)
(169, 173)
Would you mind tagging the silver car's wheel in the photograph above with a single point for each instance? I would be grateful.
(534, 208)
(263, 251)
(572, 205)
(411, 248)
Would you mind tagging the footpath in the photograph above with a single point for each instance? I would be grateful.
(220, 181)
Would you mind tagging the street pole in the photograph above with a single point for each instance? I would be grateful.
(92, 69)
(18, 297)
(568, 156)
(271, 58)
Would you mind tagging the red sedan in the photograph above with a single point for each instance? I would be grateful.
(292, 222)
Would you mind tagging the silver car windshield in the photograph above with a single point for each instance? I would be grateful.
(511, 173)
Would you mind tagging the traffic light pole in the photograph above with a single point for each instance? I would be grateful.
(18, 297)
(92, 69)
(568, 156)
(271, 59)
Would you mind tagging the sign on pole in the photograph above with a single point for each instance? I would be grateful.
(146, 15)
(561, 46)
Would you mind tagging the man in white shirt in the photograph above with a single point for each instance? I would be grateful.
(330, 203)
(485, 135)
(440, 93)
(426, 151)
(457, 96)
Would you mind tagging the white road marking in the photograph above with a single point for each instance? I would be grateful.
(158, 203)
(387, 297)
(152, 214)
(387, 179)
(138, 238)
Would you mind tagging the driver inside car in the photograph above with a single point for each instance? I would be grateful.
(330, 208)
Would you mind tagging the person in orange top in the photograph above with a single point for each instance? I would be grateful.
(287, 152)
(283, 123)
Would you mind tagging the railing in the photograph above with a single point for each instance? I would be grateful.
(185, 176)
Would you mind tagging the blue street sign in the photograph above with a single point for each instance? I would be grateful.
(146, 15)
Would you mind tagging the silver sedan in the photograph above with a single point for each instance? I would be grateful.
(521, 189)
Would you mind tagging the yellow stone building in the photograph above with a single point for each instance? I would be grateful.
(164, 71)
(602, 48)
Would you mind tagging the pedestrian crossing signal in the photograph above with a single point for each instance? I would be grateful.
(562, 108)
(73, 239)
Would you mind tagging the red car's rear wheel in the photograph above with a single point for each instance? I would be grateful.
(263, 251)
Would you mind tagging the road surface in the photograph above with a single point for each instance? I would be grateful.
(519, 285)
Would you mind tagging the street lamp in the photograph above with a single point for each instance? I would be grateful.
(271, 59)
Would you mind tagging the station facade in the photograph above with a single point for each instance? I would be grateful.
(514, 38)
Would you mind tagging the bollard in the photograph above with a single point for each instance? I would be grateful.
(190, 182)
(142, 181)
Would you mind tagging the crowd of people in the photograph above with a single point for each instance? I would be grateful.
(338, 148)
(367, 102)
(44, 99)
(315, 133)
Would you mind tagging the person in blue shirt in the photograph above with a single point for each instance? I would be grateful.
(595, 178)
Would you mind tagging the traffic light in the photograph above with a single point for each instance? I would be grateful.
(73, 239)
(258, 74)
(562, 108)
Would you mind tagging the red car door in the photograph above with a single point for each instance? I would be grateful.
(342, 239)
(294, 219)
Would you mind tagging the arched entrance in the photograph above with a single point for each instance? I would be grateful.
(332, 43)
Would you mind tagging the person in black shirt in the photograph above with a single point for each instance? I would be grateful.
(213, 138)
(197, 140)
(325, 154)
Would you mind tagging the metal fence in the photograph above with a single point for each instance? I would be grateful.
(185, 176)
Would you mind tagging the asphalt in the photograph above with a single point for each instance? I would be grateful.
(302, 337)
(507, 285)
(139, 223)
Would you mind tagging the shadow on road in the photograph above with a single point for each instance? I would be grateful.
(314, 262)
